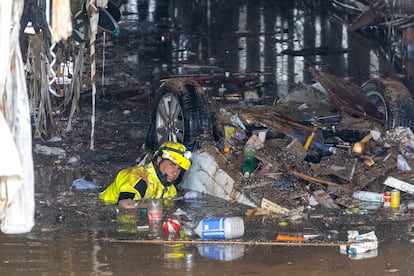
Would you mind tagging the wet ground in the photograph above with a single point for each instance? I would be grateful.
(75, 234)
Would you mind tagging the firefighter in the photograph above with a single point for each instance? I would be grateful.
(157, 179)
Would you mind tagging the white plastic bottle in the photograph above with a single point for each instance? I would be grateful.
(368, 196)
(220, 228)
(362, 247)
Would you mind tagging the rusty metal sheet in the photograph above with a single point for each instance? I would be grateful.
(347, 96)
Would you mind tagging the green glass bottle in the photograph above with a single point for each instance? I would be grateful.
(249, 161)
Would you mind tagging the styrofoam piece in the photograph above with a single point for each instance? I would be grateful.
(399, 184)
(205, 176)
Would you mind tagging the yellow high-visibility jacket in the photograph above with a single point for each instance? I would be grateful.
(136, 183)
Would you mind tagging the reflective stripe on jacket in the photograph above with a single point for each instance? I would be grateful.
(126, 180)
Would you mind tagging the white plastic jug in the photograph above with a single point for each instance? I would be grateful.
(220, 228)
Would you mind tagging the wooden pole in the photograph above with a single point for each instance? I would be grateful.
(228, 242)
(312, 179)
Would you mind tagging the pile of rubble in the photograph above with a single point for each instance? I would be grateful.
(308, 153)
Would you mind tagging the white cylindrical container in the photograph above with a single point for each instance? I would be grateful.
(220, 228)
(368, 196)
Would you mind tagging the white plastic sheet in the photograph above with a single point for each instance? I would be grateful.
(16, 161)
(62, 20)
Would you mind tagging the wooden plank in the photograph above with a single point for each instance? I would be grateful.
(312, 179)
(274, 207)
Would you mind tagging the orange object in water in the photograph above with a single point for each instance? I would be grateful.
(289, 238)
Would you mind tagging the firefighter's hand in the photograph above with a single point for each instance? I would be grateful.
(128, 204)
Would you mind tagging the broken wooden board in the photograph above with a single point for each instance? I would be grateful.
(345, 171)
(274, 207)
(297, 148)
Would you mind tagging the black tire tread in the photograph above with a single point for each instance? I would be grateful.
(398, 100)
(197, 120)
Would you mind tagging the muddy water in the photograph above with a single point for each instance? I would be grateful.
(76, 235)
(81, 255)
(90, 252)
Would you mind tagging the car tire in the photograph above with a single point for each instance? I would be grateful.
(393, 99)
(179, 113)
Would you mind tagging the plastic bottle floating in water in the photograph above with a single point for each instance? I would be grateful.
(220, 228)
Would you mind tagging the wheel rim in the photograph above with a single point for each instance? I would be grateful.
(169, 121)
(378, 101)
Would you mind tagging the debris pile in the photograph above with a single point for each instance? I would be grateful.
(309, 152)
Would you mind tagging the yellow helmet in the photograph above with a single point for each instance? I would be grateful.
(175, 152)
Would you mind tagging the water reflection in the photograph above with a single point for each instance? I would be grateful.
(92, 255)
(177, 256)
(128, 223)
(247, 36)
(221, 252)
